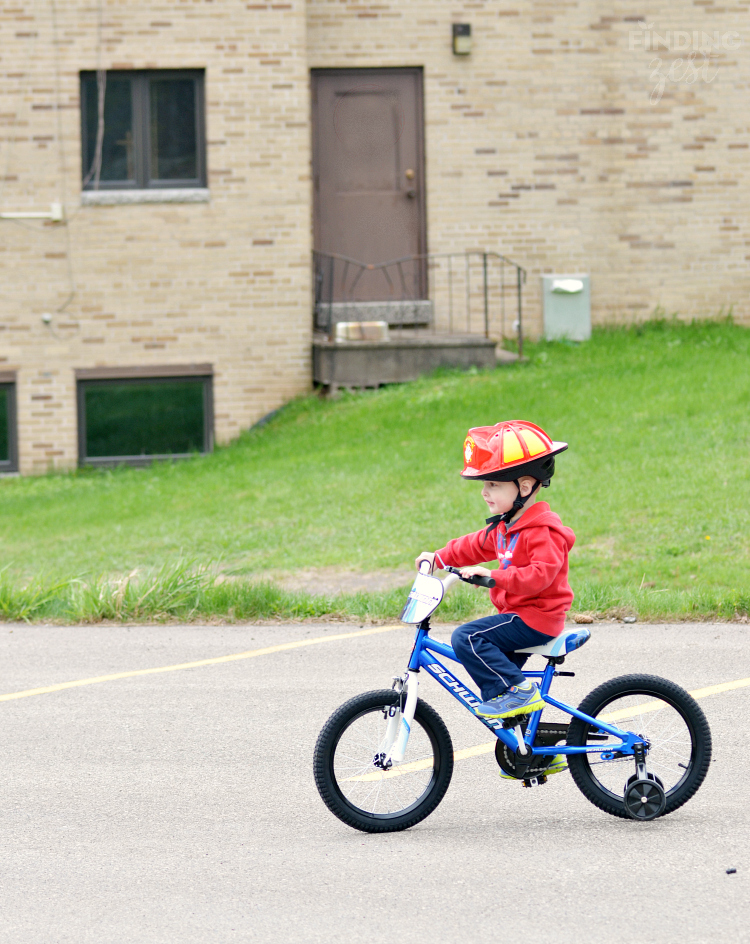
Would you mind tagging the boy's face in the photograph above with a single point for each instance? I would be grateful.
(501, 495)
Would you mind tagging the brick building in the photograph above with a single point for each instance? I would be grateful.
(573, 137)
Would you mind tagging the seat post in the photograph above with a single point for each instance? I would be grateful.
(549, 674)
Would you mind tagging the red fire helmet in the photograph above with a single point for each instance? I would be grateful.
(508, 450)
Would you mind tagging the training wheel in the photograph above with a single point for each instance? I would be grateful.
(644, 799)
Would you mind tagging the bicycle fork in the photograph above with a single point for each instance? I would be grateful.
(397, 733)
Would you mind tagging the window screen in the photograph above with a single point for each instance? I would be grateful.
(144, 418)
(8, 460)
(173, 132)
(152, 130)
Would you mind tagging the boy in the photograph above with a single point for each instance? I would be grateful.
(514, 460)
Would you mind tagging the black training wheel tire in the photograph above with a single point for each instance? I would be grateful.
(644, 799)
(325, 750)
(682, 701)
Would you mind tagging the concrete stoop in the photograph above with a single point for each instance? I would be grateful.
(402, 358)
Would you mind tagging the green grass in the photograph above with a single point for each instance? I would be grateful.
(186, 592)
(654, 485)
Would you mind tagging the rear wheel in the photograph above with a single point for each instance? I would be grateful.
(365, 796)
(657, 710)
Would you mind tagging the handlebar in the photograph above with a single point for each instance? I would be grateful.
(488, 582)
(477, 581)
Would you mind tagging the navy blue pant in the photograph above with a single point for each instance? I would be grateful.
(485, 649)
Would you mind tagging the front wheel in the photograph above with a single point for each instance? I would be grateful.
(667, 716)
(365, 796)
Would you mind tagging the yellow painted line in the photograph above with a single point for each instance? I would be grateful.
(218, 660)
(475, 751)
(489, 746)
(721, 687)
(649, 706)
(396, 772)
(424, 764)
(646, 708)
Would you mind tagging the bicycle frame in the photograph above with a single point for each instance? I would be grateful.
(423, 657)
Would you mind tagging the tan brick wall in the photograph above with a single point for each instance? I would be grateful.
(543, 143)
(227, 282)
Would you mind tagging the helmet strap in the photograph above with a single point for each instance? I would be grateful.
(506, 516)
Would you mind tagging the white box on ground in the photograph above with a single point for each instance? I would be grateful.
(361, 331)
(567, 307)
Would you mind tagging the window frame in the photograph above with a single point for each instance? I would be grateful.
(8, 381)
(141, 105)
(98, 377)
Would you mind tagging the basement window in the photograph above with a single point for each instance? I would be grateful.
(134, 420)
(8, 438)
(153, 130)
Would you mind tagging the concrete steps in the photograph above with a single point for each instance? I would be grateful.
(406, 356)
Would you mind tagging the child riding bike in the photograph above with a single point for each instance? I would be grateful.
(384, 759)
(513, 459)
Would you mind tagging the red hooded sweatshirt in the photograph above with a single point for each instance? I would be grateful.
(532, 579)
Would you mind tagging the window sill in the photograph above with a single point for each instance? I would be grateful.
(125, 197)
(137, 461)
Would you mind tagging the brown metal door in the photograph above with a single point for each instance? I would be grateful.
(368, 171)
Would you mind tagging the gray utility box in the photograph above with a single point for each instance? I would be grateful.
(567, 307)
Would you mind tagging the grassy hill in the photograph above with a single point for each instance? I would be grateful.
(654, 483)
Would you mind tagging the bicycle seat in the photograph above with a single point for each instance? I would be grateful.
(561, 645)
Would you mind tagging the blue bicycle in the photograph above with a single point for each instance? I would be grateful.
(384, 759)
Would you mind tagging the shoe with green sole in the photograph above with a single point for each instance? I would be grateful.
(518, 700)
(558, 765)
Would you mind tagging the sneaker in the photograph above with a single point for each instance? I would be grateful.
(558, 765)
(518, 700)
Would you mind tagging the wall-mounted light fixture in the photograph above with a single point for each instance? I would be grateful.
(461, 39)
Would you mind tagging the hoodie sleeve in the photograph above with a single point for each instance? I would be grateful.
(546, 549)
(466, 551)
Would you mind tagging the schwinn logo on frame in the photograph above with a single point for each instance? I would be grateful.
(458, 689)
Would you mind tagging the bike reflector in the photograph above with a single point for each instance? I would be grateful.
(424, 598)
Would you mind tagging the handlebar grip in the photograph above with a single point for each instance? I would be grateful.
(488, 582)
(482, 582)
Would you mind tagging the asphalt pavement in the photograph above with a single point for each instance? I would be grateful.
(180, 806)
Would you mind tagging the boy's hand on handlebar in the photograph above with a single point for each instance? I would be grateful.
(425, 556)
(478, 576)
(475, 572)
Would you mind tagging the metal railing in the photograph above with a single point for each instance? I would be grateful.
(469, 293)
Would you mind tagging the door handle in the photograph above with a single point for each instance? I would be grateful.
(411, 194)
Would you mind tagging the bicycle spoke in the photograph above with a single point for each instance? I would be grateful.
(370, 788)
(666, 731)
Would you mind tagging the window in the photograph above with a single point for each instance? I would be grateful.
(135, 419)
(153, 130)
(8, 450)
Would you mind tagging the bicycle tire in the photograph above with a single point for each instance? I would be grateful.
(651, 686)
(324, 764)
